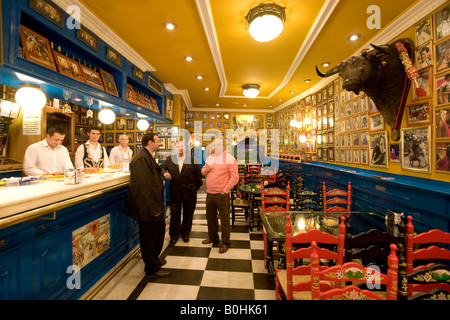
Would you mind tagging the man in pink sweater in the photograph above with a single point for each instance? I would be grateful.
(222, 175)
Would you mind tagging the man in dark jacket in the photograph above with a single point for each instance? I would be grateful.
(145, 204)
(185, 179)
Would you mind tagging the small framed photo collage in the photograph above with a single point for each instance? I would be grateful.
(205, 120)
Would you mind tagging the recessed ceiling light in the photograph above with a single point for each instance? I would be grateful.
(244, 105)
(206, 89)
(326, 64)
(217, 104)
(307, 80)
(270, 106)
(353, 37)
(280, 100)
(199, 77)
(291, 91)
(169, 25)
(189, 58)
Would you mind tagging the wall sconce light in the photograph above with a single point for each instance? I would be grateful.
(302, 138)
(31, 97)
(307, 121)
(265, 22)
(106, 116)
(250, 90)
(293, 123)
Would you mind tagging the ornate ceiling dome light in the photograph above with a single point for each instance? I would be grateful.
(250, 90)
(265, 22)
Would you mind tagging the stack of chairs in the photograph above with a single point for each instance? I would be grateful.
(337, 199)
(304, 199)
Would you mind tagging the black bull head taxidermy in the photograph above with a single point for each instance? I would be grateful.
(380, 73)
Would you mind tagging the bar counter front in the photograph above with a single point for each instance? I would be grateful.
(57, 240)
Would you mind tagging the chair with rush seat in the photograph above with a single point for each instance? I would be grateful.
(294, 283)
(336, 197)
(434, 275)
(238, 202)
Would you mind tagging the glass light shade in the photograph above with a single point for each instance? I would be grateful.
(307, 121)
(106, 116)
(31, 98)
(299, 125)
(293, 123)
(142, 124)
(265, 28)
(251, 92)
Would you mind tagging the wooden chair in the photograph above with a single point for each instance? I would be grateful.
(273, 198)
(336, 197)
(352, 272)
(435, 294)
(295, 281)
(422, 278)
(237, 201)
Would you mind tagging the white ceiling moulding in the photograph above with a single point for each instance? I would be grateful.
(94, 24)
(204, 10)
(184, 93)
(404, 22)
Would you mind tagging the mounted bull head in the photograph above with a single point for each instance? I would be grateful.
(379, 73)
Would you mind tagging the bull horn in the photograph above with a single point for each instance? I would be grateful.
(329, 73)
(382, 48)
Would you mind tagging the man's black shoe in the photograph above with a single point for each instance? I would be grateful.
(161, 273)
(185, 238)
(172, 242)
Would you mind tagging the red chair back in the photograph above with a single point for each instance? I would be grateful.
(275, 199)
(431, 277)
(337, 197)
(352, 272)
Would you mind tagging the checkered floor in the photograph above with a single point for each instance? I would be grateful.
(200, 272)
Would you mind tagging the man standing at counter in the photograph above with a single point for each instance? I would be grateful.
(121, 153)
(91, 154)
(222, 175)
(48, 155)
(145, 204)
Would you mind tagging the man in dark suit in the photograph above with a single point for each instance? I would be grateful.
(185, 179)
(145, 204)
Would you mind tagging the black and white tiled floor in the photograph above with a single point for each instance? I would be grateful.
(200, 272)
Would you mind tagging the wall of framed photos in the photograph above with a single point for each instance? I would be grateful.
(347, 129)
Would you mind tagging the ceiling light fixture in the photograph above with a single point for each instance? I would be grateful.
(31, 97)
(307, 80)
(326, 64)
(250, 90)
(169, 25)
(142, 124)
(189, 58)
(106, 116)
(265, 22)
(199, 77)
(353, 37)
(206, 89)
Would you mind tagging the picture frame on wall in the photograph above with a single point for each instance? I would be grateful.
(424, 56)
(442, 151)
(423, 31)
(441, 51)
(87, 37)
(109, 83)
(33, 43)
(114, 56)
(163, 143)
(394, 152)
(138, 73)
(419, 113)
(166, 131)
(376, 122)
(442, 123)
(68, 67)
(416, 151)
(92, 77)
(49, 11)
(168, 112)
(441, 20)
(425, 81)
(377, 149)
(442, 84)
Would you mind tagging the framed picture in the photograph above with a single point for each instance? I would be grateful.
(161, 156)
(441, 20)
(423, 31)
(109, 83)
(109, 137)
(92, 77)
(68, 66)
(376, 122)
(377, 149)
(130, 124)
(138, 73)
(168, 112)
(171, 142)
(131, 94)
(416, 149)
(442, 123)
(372, 107)
(394, 152)
(109, 126)
(419, 114)
(269, 125)
(114, 56)
(139, 136)
(226, 125)
(443, 157)
(443, 89)
(163, 143)
(364, 156)
(425, 80)
(36, 48)
(442, 52)
(87, 37)
(269, 117)
(49, 11)
(189, 115)
(424, 56)
(331, 149)
(166, 131)
(130, 136)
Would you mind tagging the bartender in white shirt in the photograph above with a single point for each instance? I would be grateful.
(121, 153)
(91, 154)
(48, 155)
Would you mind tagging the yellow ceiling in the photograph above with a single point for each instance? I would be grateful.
(228, 57)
